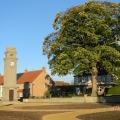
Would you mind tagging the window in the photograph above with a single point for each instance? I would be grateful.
(79, 79)
(99, 78)
(103, 78)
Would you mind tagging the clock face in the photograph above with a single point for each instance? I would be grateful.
(11, 63)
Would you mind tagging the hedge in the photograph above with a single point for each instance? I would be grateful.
(114, 90)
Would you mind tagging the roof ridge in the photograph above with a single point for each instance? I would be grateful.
(59, 81)
(33, 71)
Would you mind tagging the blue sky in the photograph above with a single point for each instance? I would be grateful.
(24, 24)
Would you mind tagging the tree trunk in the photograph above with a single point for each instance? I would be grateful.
(94, 81)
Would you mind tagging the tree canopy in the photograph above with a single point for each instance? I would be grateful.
(84, 39)
(83, 36)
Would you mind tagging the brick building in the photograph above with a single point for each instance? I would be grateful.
(30, 83)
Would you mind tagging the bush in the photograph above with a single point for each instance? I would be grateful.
(32, 97)
(114, 90)
(48, 93)
(71, 95)
(67, 94)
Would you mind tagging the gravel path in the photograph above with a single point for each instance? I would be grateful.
(64, 106)
(111, 115)
(19, 115)
(46, 109)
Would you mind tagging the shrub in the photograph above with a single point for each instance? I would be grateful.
(114, 90)
(32, 97)
(48, 93)
(67, 94)
(71, 95)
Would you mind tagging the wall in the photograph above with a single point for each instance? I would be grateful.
(1, 91)
(20, 94)
(106, 99)
(38, 89)
(21, 86)
(74, 99)
(85, 99)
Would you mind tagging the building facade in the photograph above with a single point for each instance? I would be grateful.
(33, 83)
(30, 84)
(27, 84)
(9, 91)
(84, 83)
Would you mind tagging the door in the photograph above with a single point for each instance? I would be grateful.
(11, 95)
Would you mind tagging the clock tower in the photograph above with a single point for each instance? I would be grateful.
(10, 76)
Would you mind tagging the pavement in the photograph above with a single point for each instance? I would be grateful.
(59, 116)
(71, 115)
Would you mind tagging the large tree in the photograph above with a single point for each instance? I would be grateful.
(83, 40)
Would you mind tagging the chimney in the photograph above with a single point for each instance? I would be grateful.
(25, 71)
(44, 69)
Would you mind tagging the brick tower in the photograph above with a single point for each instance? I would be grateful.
(10, 67)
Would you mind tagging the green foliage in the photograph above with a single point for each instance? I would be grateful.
(118, 82)
(84, 40)
(48, 93)
(114, 90)
(117, 78)
(67, 94)
(83, 37)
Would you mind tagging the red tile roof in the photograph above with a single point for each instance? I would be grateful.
(29, 76)
(60, 83)
(1, 80)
